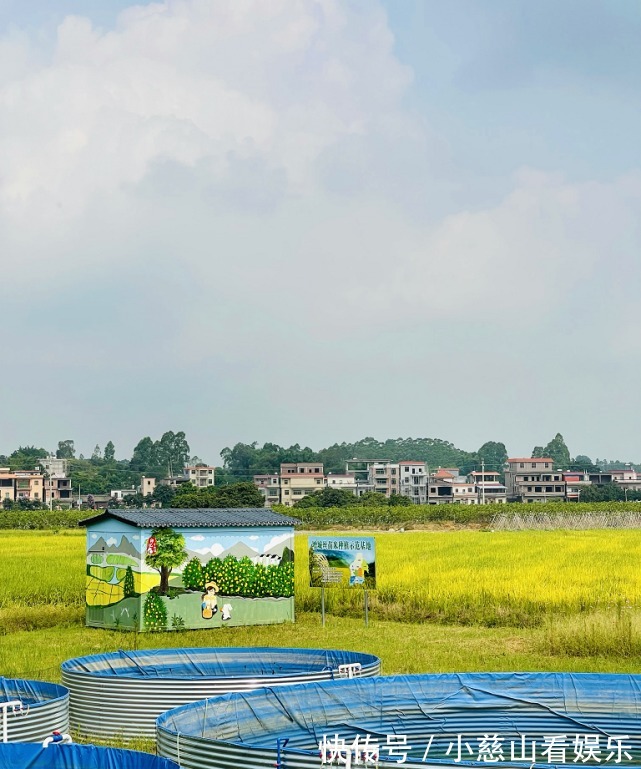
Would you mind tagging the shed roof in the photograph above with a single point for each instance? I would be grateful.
(191, 518)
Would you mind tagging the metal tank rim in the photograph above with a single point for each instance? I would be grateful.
(37, 719)
(106, 702)
(249, 729)
(77, 665)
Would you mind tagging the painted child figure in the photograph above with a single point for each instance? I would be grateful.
(210, 602)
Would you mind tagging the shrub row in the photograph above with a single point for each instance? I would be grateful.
(42, 519)
(326, 517)
(319, 518)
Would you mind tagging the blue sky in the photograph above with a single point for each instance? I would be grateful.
(237, 219)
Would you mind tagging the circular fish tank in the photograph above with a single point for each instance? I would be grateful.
(516, 719)
(31, 710)
(78, 757)
(122, 693)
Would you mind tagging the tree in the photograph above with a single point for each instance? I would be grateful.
(97, 454)
(194, 575)
(110, 452)
(129, 588)
(398, 500)
(154, 612)
(235, 495)
(135, 499)
(66, 450)
(26, 457)
(494, 455)
(373, 499)
(144, 455)
(172, 452)
(328, 497)
(170, 553)
(583, 464)
(557, 451)
(164, 495)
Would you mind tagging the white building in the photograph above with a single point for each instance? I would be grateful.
(414, 480)
(201, 476)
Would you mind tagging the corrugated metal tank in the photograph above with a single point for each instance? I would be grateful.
(26, 756)
(44, 709)
(405, 716)
(121, 694)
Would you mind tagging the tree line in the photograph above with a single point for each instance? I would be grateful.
(166, 456)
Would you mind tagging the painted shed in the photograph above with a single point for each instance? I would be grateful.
(175, 569)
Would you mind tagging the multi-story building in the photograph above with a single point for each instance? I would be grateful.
(51, 465)
(7, 484)
(413, 481)
(489, 488)
(298, 479)
(200, 476)
(173, 481)
(147, 485)
(533, 479)
(57, 490)
(21, 484)
(463, 492)
(384, 478)
(439, 492)
(574, 483)
(120, 494)
(269, 487)
(628, 479)
(344, 481)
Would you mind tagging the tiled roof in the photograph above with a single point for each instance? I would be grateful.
(201, 518)
(530, 459)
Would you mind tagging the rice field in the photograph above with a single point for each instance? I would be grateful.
(465, 577)
(445, 600)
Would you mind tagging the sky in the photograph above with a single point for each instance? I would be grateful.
(311, 221)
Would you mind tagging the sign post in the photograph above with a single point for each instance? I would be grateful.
(343, 562)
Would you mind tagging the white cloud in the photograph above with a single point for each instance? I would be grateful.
(188, 81)
(277, 540)
(197, 538)
(214, 550)
(250, 170)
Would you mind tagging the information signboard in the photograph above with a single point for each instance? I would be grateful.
(346, 562)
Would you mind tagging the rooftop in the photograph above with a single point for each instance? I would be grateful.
(530, 459)
(194, 518)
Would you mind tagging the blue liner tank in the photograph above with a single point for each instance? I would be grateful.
(122, 693)
(31, 710)
(424, 720)
(78, 757)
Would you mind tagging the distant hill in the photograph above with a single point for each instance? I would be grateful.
(245, 460)
(125, 547)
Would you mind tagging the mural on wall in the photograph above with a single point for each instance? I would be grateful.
(197, 578)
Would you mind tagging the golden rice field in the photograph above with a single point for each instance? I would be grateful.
(445, 600)
(464, 577)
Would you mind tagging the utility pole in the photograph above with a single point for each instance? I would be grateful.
(482, 481)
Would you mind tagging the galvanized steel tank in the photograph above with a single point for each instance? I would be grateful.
(417, 720)
(56, 756)
(39, 709)
(121, 694)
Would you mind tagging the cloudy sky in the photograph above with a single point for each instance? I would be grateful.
(312, 221)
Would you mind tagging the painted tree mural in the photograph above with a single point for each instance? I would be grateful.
(167, 553)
